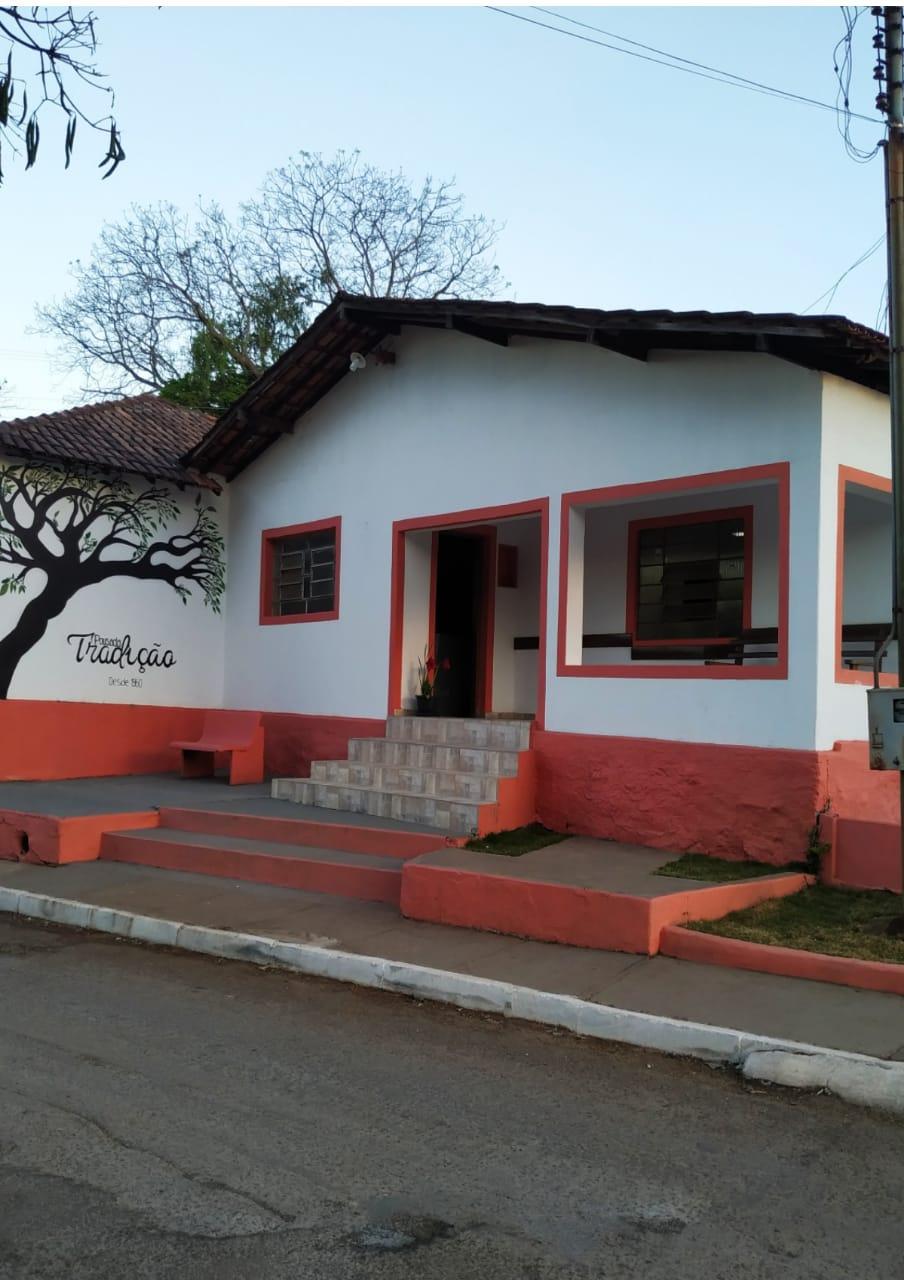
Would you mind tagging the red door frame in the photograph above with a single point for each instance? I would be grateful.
(451, 521)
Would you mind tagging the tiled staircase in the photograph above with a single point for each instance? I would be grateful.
(458, 776)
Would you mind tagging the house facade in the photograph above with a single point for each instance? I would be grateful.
(663, 539)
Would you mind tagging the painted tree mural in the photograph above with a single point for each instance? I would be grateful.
(63, 529)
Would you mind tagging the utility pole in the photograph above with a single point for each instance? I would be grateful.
(891, 102)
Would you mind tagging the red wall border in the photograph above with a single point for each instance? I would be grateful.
(268, 537)
(780, 474)
(867, 480)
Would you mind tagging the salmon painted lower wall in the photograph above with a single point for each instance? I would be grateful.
(853, 789)
(862, 854)
(690, 797)
(46, 740)
(50, 740)
(291, 742)
(729, 801)
(733, 802)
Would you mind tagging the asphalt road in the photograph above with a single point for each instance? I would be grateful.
(171, 1116)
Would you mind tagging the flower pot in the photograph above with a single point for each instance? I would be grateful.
(424, 705)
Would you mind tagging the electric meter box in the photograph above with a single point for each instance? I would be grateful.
(886, 728)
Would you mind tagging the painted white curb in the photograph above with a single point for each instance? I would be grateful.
(871, 1082)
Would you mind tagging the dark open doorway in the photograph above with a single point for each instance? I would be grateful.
(461, 621)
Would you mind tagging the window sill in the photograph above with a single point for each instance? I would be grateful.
(271, 620)
(674, 671)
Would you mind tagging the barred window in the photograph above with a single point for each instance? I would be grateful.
(690, 580)
(300, 572)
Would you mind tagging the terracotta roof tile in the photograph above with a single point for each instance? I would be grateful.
(140, 434)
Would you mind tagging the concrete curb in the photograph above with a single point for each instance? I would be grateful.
(870, 1082)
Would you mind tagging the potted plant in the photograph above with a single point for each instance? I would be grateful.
(428, 670)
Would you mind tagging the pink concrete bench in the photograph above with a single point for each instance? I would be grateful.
(238, 734)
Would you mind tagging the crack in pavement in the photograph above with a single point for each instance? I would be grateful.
(136, 1079)
(210, 1184)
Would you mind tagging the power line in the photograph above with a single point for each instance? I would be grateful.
(843, 65)
(833, 289)
(698, 69)
(702, 66)
(882, 312)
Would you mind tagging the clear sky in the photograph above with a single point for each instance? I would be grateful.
(620, 183)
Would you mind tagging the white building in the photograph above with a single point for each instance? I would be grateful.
(663, 537)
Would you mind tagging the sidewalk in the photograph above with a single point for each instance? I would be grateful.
(755, 1007)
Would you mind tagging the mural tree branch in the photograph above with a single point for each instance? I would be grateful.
(63, 529)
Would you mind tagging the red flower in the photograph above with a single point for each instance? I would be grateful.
(431, 665)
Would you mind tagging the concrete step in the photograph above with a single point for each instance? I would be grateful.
(450, 785)
(370, 877)
(427, 755)
(351, 837)
(456, 817)
(501, 735)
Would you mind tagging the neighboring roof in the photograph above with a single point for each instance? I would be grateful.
(320, 357)
(142, 434)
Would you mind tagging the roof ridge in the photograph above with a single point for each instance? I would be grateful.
(115, 402)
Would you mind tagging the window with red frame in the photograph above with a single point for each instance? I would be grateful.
(691, 579)
(303, 573)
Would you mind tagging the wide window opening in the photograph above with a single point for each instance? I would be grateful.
(687, 581)
(300, 573)
(864, 610)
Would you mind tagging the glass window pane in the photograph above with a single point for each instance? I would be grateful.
(690, 580)
(304, 573)
(731, 568)
(731, 536)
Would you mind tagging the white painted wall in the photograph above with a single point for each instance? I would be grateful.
(504, 425)
(416, 629)
(855, 433)
(517, 614)
(148, 614)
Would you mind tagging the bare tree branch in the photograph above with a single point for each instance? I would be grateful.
(154, 281)
(341, 223)
(165, 295)
(57, 48)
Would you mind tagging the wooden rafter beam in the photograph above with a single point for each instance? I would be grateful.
(473, 330)
(369, 320)
(621, 346)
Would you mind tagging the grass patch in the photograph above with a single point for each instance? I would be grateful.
(836, 922)
(699, 866)
(512, 844)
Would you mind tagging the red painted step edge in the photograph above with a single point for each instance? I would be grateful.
(710, 948)
(572, 914)
(322, 835)
(57, 840)
(371, 884)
